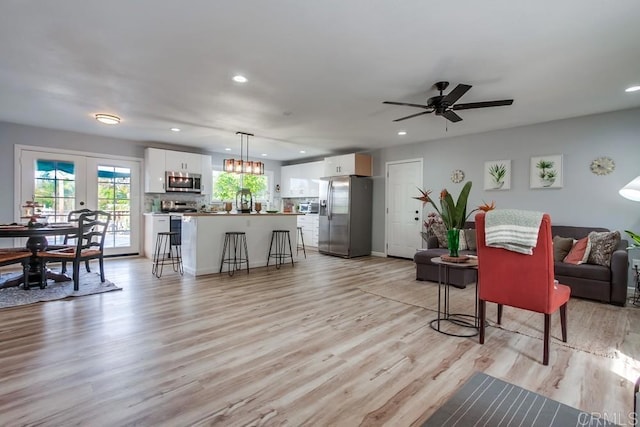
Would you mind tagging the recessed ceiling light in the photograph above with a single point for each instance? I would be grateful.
(175, 129)
(402, 132)
(632, 89)
(302, 151)
(240, 79)
(227, 149)
(264, 154)
(107, 119)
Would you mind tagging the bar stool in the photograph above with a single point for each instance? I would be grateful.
(168, 251)
(281, 238)
(237, 239)
(304, 251)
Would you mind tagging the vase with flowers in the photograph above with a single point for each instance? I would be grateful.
(453, 214)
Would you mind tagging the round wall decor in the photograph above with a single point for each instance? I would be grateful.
(457, 176)
(602, 166)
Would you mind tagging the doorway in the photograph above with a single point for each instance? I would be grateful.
(404, 213)
(62, 182)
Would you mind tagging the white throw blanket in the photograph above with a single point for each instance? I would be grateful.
(512, 229)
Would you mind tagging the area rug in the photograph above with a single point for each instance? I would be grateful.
(585, 319)
(487, 401)
(89, 284)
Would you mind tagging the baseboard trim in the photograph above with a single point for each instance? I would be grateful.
(380, 254)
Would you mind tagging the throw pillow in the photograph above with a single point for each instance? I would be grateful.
(602, 246)
(440, 231)
(579, 253)
(462, 245)
(470, 236)
(561, 247)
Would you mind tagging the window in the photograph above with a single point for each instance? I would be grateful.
(55, 188)
(225, 186)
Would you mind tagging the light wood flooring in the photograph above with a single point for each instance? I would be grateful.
(295, 346)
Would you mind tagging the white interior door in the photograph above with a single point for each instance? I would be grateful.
(404, 213)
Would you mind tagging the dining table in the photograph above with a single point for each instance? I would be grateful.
(36, 241)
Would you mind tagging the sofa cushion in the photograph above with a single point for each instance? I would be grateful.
(579, 253)
(602, 246)
(470, 236)
(583, 271)
(561, 247)
(440, 231)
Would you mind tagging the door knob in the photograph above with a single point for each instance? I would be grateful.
(81, 203)
(416, 212)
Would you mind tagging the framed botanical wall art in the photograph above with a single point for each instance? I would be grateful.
(546, 172)
(497, 175)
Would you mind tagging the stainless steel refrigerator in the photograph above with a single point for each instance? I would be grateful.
(345, 216)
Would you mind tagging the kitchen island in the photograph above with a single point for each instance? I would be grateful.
(203, 238)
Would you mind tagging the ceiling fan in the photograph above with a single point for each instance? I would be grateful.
(445, 105)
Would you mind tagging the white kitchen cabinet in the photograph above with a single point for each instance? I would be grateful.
(301, 180)
(314, 170)
(348, 164)
(157, 161)
(154, 169)
(310, 225)
(206, 181)
(178, 161)
(154, 224)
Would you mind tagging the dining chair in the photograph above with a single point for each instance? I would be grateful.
(518, 280)
(70, 239)
(92, 230)
(15, 256)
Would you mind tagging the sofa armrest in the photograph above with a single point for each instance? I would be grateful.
(432, 242)
(619, 276)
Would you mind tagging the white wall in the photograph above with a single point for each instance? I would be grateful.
(585, 200)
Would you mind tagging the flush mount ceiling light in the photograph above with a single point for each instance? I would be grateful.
(240, 79)
(107, 119)
(632, 89)
(175, 129)
(402, 132)
(243, 165)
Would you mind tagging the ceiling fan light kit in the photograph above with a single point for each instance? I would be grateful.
(445, 105)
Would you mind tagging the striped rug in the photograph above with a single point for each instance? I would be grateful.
(487, 401)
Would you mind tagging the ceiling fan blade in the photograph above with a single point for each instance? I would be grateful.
(407, 104)
(413, 115)
(483, 104)
(451, 116)
(455, 94)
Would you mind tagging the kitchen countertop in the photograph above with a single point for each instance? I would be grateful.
(238, 214)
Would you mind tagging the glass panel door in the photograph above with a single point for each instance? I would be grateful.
(62, 182)
(115, 188)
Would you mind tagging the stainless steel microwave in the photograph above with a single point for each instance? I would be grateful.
(183, 182)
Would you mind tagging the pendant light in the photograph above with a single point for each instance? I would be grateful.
(243, 165)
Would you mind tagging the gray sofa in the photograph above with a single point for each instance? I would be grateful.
(596, 282)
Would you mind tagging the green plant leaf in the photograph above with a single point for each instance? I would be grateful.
(634, 236)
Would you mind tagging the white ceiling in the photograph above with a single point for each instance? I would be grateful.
(318, 70)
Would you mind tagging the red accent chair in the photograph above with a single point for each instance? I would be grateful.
(522, 281)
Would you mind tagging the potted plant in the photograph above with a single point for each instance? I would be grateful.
(453, 214)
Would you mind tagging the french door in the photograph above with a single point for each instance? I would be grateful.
(61, 182)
